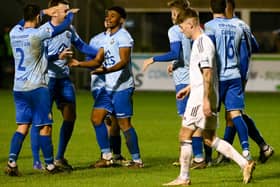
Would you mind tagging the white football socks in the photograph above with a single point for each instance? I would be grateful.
(185, 159)
(229, 151)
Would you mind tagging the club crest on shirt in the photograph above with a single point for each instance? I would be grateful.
(68, 34)
(112, 41)
(48, 30)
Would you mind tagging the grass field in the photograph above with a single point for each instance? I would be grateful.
(157, 125)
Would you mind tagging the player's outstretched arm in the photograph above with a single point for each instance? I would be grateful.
(169, 69)
(146, 63)
(73, 10)
(94, 63)
(50, 11)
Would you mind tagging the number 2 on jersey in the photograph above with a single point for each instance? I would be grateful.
(21, 53)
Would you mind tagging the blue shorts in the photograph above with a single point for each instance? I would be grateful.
(61, 91)
(102, 99)
(231, 94)
(122, 103)
(33, 107)
(181, 104)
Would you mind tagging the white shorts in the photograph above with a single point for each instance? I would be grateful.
(194, 118)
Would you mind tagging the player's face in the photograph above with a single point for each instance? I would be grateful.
(61, 12)
(113, 19)
(187, 27)
(174, 14)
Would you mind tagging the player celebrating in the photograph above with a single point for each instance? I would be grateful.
(228, 38)
(102, 102)
(201, 111)
(116, 52)
(60, 86)
(266, 151)
(31, 94)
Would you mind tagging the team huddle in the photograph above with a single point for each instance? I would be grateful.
(209, 68)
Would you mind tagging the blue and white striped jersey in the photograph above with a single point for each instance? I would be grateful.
(58, 68)
(30, 57)
(121, 79)
(227, 36)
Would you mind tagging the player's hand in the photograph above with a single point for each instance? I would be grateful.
(183, 93)
(170, 69)
(146, 63)
(207, 107)
(99, 70)
(73, 10)
(67, 53)
(51, 11)
(73, 63)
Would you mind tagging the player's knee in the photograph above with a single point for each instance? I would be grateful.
(208, 141)
(69, 111)
(234, 113)
(96, 120)
(124, 124)
(46, 130)
(23, 129)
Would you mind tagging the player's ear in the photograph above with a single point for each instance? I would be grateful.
(122, 21)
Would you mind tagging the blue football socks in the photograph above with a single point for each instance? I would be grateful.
(242, 131)
(64, 137)
(229, 135)
(35, 146)
(102, 137)
(132, 143)
(16, 144)
(253, 131)
(47, 148)
(115, 144)
(197, 145)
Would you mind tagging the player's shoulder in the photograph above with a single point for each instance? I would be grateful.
(241, 23)
(175, 34)
(203, 42)
(211, 22)
(123, 34)
(174, 28)
(98, 37)
(206, 40)
(47, 27)
(16, 29)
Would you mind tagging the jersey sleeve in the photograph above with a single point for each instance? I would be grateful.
(206, 52)
(45, 31)
(80, 44)
(125, 40)
(209, 28)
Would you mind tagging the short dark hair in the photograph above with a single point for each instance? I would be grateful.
(119, 10)
(56, 2)
(218, 6)
(178, 4)
(30, 12)
(187, 13)
(232, 3)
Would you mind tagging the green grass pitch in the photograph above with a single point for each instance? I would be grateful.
(157, 125)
